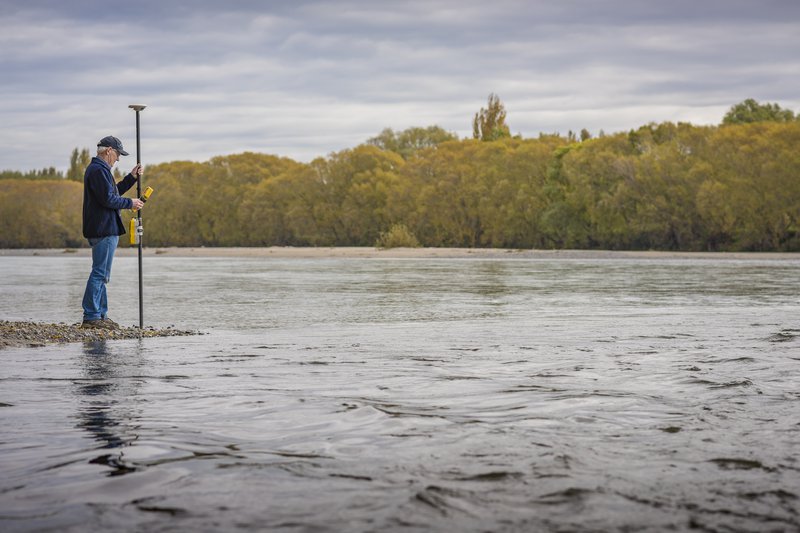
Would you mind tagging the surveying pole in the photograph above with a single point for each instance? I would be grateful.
(139, 230)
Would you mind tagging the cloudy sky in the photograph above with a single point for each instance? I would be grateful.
(304, 78)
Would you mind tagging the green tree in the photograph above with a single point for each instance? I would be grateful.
(513, 174)
(78, 162)
(408, 142)
(350, 194)
(234, 178)
(715, 211)
(661, 186)
(211, 203)
(588, 212)
(475, 194)
(173, 216)
(264, 211)
(750, 111)
(40, 214)
(758, 165)
(44, 174)
(489, 124)
(439, 195)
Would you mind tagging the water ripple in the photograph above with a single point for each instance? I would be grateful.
(415, 395)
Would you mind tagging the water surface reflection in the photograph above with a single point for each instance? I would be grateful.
(432, 395)
(107, 407)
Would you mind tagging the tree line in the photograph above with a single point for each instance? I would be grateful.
(667, 186)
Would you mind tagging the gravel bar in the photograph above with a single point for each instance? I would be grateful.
(36, 334)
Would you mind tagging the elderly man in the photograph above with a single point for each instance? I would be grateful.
(102, 225)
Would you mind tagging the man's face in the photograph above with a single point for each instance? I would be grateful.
(114, 157)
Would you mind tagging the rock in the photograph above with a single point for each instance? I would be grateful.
(38, 334)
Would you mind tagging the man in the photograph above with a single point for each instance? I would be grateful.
(102, 225)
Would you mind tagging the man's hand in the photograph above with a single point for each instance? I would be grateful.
(137, 171)
(137, 204)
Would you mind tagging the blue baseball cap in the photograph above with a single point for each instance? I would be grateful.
(112, 142)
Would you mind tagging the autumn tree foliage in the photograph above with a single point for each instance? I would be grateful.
(78, 161)
(750, 111)
(489, 123)
(40, 213)
(408, 142)
(662, 186)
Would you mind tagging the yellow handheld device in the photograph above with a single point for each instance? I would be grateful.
(147, 192)
(135, 225)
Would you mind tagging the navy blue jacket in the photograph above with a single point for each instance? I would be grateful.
(102, 200)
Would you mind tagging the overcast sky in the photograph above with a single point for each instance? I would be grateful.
(305, 78)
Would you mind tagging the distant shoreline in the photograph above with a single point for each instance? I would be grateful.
(406, 253)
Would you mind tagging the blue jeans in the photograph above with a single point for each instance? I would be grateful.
(95, 301)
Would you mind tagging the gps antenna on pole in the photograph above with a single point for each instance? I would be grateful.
(140, 233)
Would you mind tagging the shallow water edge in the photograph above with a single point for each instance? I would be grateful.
(410, 253)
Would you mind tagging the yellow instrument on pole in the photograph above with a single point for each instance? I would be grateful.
(132, 231)
(136, 229)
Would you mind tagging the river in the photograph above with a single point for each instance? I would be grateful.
(337, 394)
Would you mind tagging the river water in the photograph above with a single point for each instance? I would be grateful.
(408, 395)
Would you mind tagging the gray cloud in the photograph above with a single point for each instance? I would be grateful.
(302, 79)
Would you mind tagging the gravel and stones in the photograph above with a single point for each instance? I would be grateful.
(38, 334)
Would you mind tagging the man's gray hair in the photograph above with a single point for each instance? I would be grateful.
(102, 149)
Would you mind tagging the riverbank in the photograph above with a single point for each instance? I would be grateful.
(407, 253)
(33, 334)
